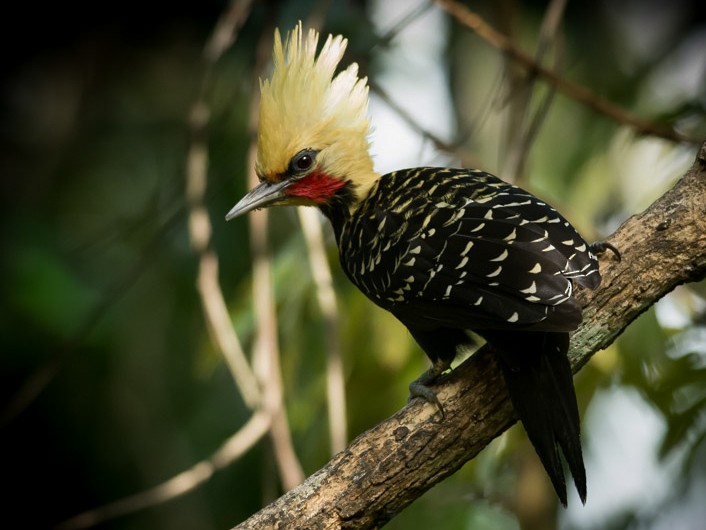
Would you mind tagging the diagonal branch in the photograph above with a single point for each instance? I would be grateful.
(232, 449)
(392, 464)
(572, 89)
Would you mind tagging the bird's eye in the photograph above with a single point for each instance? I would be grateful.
(302, 162)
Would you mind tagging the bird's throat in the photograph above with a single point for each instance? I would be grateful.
(318, 187)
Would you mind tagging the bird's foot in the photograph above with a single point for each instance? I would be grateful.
(599, 247)
(419, 388)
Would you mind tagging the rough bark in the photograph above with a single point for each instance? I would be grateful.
(388, 467)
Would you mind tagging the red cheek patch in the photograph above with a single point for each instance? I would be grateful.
(318, 187)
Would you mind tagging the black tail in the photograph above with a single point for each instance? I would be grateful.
(539, 379)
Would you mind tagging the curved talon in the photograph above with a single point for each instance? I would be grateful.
(420, 390)
(420, 386)
(599, 247)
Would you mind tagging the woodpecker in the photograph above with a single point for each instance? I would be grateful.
(447, 251)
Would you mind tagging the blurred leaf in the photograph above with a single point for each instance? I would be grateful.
(49, 292)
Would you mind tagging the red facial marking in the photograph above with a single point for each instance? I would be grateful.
(319, 187)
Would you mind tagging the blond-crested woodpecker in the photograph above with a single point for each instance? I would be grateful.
(447, 251)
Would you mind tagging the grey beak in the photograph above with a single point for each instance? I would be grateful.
(263, 195)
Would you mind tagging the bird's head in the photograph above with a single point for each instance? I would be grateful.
(312, 146)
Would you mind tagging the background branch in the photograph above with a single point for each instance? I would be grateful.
(574, 90)
(524, 129)
(232, 449)
(392, 464)
(326, 297)
(266, 350)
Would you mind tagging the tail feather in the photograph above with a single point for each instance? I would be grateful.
(539, 379)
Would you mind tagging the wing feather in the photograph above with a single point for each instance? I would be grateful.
(474, 252)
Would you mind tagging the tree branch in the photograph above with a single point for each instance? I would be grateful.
(392, 464)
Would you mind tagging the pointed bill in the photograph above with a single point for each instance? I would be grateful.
(263, 195)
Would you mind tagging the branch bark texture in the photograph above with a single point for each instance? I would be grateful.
(392, 464)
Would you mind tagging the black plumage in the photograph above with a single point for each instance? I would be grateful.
(454, 250)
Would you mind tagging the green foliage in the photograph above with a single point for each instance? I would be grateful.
(670, 374)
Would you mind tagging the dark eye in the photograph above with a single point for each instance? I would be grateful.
(302, 162)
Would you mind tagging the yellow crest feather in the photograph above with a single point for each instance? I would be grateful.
(303, 106)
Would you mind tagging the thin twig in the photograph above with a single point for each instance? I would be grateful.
(186, 481)
(321, 273)
(550, 26)
(209, 289)
(215, 310)
(221, 328)
(390, 33)
(572, 89)
(450, 148)
(310, 223)
(519, 151)
(224, 34)
(266, 354)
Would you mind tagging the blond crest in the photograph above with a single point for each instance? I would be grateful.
(304, 106)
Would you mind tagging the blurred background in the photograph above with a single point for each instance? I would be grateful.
(142, 334)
